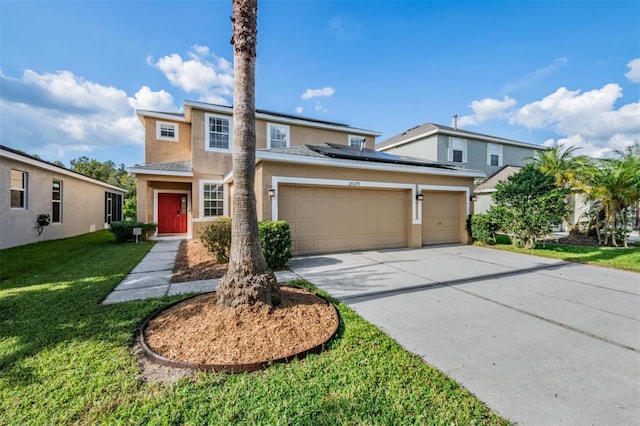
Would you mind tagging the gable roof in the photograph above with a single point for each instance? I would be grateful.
(25, 158)
(260, 113)
(335, 155)
(489, 184)
(430, 129)
(175, 168)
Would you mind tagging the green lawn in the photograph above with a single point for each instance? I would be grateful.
(618, 258)
(66, 359)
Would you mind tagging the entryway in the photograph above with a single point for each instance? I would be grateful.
(172, 213)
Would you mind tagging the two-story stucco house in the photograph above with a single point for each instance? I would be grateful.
(497, 157)
(324, 178)
(30, 187)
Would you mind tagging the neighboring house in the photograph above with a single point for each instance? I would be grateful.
(484, 191)
(76, 204)
(468, 150)
(324, 178)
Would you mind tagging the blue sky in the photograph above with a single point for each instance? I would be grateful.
(545, 72)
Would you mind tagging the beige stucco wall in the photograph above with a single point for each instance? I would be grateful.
(265, 171)
(82, 205)
(164, 151)
(422, 148)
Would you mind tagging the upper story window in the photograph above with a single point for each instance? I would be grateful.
(217, 132)
(494, 154)
(19, 185)
(56, 201)
(357, 141)
(277, 136)
(166, 131)
(212, 199)
(457, 150)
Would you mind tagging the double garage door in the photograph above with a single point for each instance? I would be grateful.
(327, 219)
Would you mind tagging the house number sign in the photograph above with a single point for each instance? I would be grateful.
(354, 183)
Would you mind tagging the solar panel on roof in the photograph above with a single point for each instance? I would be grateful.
(366, 154)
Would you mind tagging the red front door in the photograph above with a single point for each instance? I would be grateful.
(172, 213)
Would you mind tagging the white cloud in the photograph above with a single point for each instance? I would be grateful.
(588, 120)
(205, 74)
(486, 109)
(52, 113)
(320, 108)
(316, 93)
(299, 110)
(153, 101)
(531, 79)
(634, 70)
(344, 29)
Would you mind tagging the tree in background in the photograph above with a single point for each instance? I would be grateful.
(614, 187)
(108, 172)
(247, 280)
(568, 171)
(528, 204)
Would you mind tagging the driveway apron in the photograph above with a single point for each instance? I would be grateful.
(541, 341)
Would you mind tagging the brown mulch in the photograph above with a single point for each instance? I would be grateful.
(194, 263)
(198, 331)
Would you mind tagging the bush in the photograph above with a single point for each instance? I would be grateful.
(275, 239)
(483, 228)
(123, 230)
(216, 237)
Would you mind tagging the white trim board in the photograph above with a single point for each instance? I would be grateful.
(277, 180)
(445, 188)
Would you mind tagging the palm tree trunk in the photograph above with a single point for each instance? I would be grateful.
(247, 280)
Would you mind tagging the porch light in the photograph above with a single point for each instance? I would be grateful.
(419, 196)
(473, 198)
(271, 192)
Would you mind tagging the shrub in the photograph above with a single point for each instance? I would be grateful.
(123, 230)
(216, 237)
(483, 228)
(275, 239)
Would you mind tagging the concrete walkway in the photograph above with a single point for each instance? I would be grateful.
(152, 277)
(541, 341)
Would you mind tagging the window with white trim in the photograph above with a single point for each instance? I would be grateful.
(166, 131)
(19, 185)
(112, 207)
(218, 130)
(357, 141)
(56, 201)
(457, 150)
(277, 136)
(213, 199)
(494, 154)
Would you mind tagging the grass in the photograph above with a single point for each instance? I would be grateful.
(627, 259)
(66, 359)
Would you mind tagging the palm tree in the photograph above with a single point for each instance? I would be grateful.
(247, 280)
(615, 185)
(568, 171)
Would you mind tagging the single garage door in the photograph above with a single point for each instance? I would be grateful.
(331, 219)
(441, 217)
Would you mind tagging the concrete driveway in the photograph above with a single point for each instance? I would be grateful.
(540, 341)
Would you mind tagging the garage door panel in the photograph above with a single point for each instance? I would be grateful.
(329, 219)
(441, 217)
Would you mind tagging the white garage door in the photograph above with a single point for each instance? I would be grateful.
(442, 221)
(331, 219)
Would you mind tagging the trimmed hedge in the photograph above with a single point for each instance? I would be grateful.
(275, 239)
(216, 237)
(123, 230)
(483, 228)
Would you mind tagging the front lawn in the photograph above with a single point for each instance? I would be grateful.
(618, 258)
(66, 359)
